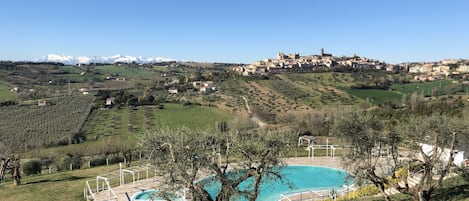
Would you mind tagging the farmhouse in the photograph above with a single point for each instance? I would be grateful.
(109, 101)
(204, 86)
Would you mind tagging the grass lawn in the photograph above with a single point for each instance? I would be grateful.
(378, 96)
(375, 96)
(421, 87)
(6, 94)
(64, 186)
(191, 116)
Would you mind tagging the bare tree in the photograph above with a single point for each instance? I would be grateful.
(184, 156)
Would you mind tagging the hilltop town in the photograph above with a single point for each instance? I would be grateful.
(424, 71)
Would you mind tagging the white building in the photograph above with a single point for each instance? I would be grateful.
(460, 156)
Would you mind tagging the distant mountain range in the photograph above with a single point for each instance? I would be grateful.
(72, 60)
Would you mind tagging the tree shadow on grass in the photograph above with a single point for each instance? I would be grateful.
(70, 178)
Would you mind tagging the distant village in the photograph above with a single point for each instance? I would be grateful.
(423, 71)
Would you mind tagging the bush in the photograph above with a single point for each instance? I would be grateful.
(64, 162)
(115, 158)
(98, 160)
(32, 167)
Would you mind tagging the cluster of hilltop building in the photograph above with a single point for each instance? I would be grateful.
(328, 62)
(295, 62)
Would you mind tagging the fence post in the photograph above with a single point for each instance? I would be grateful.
(120, 174)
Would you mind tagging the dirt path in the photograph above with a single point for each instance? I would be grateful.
(254, 118)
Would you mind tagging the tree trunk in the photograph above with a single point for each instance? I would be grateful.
(16, 174)
(4, 167)
(382, 189)
(256, 187)
(424, 196)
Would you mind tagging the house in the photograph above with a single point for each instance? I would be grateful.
(109, 101)
(204, 86)
(391, 68)
(463, 69)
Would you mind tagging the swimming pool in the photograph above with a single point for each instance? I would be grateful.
(149, 195)
(296, 178)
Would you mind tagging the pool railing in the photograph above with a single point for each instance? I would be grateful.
(315, 194)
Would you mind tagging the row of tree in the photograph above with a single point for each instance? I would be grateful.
(379, 149)
(184, 156)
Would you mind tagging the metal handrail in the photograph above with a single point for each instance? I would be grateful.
(88, 189)
(315, 191)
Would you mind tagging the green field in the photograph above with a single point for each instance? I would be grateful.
(425, 87)
(6, 94)
(195, 117)
(124, 71)
(110, 130)
(131, 122)
(396, 91)
(374, 96)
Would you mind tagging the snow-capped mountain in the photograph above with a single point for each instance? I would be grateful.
(98, 59)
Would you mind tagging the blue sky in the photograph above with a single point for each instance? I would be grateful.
(235, 31)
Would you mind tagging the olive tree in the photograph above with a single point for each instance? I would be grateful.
(441, 135)
(12, 165)
(373, 154)
(185, 156)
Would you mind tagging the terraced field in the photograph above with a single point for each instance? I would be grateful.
(319, 93)
(266, 100)
(126, 124)
(23, 127)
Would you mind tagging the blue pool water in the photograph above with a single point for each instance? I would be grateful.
(148, 195)
(296, 179)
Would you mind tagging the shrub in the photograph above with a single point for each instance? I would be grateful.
(115, 158)
(64, 162)
(98, 160)
(32, 167)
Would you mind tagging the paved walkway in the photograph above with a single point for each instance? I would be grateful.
(127, 190)
(319, 161)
